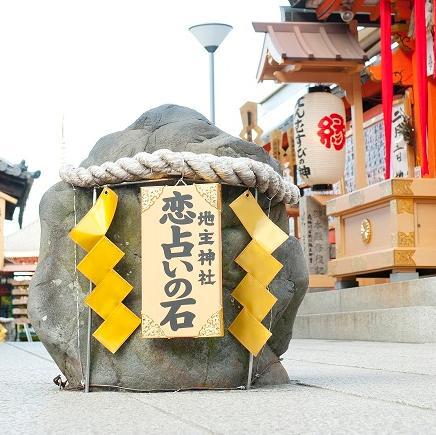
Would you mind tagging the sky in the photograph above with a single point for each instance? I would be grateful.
(98, 65)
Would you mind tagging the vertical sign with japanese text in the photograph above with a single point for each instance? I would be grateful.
(181, 261)
(399, 158)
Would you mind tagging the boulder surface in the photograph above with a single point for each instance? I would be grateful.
(57, 289)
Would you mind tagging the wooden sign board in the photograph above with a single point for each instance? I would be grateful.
(249, 123)
(181, 261)
(375, 149)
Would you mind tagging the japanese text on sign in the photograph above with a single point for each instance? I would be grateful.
(181, 261)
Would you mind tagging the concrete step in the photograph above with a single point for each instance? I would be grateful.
(398, 312)
(401, 325)
(419, 292)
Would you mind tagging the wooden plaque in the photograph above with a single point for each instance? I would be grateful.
(181, 261)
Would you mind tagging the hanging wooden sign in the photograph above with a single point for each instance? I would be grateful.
(181, 261)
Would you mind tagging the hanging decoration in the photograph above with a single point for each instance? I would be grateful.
(181, 261)
(110, 288)
(319, 137)
(387, 79)
(261, 267)
(421, 66)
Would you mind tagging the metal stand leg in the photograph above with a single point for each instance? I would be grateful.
(250, 370)
(251, 357)
(88, 332)
(27, 331)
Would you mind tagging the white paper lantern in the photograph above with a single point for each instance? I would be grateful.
(319, 134)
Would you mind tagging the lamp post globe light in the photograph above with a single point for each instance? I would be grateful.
(210, 36)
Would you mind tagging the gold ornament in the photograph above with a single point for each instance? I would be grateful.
(404, 258)
(406, 240)
(402, 187)
(405, 206)
(366, 231)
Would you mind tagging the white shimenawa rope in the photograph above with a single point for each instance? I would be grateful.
(235, 171)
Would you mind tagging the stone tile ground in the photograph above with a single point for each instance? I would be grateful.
(338, 387)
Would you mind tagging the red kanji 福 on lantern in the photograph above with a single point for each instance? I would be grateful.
(332, 131)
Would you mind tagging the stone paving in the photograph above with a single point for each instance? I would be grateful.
(338, 387)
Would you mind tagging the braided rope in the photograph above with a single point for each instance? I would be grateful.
(235, 171)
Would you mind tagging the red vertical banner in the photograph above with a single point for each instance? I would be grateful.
(387, 80)
(421, 69)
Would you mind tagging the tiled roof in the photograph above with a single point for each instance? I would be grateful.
(294, 42)
(16, 181)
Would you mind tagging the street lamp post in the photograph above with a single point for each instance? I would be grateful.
(212, 86)
(210, 36)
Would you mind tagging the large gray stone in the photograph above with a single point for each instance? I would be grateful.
(159, 363)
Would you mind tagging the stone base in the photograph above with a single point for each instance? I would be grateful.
(396, 312)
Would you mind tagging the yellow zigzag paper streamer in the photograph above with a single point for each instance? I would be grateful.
(110, 288)
(261, 268)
